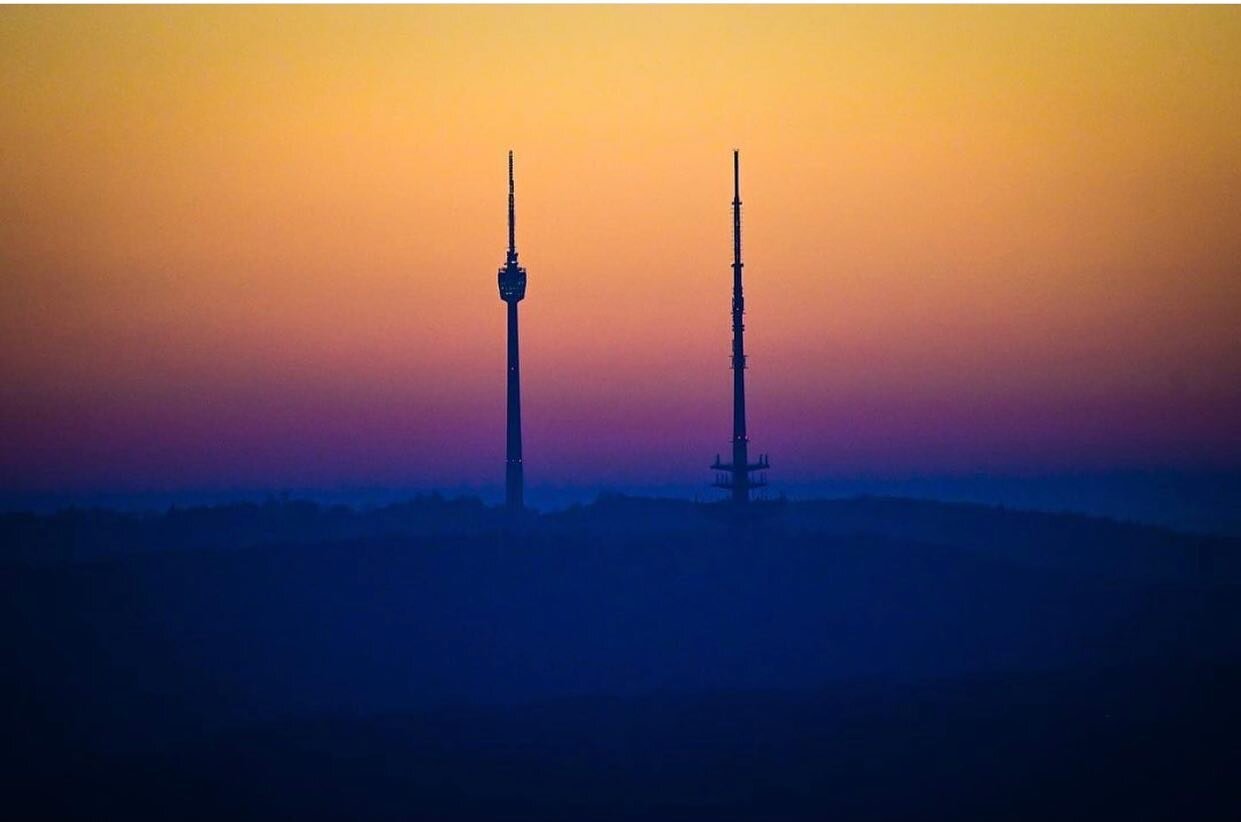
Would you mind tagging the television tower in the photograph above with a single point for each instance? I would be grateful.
(736, 475)
(512, 279)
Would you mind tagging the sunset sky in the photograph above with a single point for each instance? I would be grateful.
(257, 247)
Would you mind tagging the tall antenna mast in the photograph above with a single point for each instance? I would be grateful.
(736, 475)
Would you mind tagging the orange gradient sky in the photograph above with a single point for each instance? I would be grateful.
(257, 246)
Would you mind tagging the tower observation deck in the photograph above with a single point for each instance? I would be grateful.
(512, 282)
(740, 475)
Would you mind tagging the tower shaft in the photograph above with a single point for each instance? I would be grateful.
(741, 488)
(514, 483)
(512, 282)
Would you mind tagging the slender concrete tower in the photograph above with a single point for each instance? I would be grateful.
(736, 475)
(512, 279)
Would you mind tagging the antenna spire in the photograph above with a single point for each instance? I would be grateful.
(737, 264)
(512, 218)
(737, 176)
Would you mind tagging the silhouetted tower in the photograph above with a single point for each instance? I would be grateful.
(736, 475)
(512, 279)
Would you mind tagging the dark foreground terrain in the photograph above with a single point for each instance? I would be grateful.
(633, 659)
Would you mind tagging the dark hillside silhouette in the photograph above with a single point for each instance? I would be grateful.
(632, 658)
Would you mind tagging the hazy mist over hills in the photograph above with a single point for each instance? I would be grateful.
(1203, 502)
